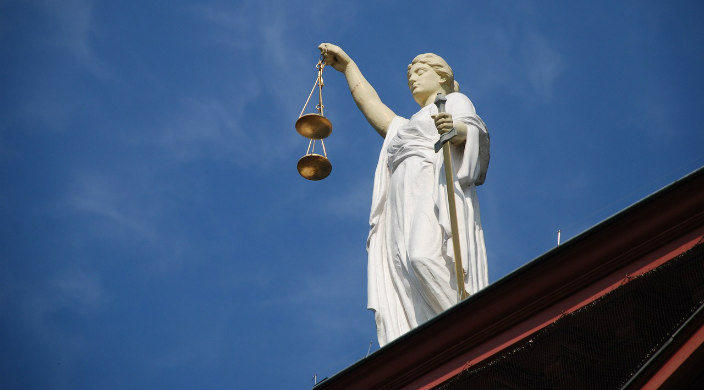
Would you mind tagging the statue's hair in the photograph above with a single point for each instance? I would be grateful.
(440, 67)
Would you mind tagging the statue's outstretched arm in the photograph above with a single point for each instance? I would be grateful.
(368, 101)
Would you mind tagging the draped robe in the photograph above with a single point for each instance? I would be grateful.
(411, 274)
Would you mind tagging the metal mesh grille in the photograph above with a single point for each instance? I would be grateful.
(603, 344)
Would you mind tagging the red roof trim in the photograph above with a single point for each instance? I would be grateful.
(655, 229)
(547, 316)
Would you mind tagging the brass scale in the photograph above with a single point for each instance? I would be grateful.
(315, 127)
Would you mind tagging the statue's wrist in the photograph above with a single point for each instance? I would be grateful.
(350, 67)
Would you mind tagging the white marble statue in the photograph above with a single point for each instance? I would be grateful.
(411, 275)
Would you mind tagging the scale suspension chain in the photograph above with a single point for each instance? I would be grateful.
(315, 127)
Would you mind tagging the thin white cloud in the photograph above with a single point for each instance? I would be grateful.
(329, 299)
(75, 31)
(272, 55)
(209, 127)
(265, 40)
(115, 214)
(124, 211)
(323, 289)
(333, 276)
(543, 64)
(516, 57)
(64, 38)
(354, 200)
(70, 290)
(77, 289)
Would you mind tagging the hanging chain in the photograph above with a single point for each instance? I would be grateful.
(320, 106)
(325, 153)
(320, 66)
(319, 83)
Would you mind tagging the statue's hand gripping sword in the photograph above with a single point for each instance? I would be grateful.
(440, 100)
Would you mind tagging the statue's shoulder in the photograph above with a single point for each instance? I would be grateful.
(457, 101)
(458, 97)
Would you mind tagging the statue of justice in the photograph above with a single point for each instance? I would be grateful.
(425, 246)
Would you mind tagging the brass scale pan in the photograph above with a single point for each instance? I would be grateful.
(314, 166)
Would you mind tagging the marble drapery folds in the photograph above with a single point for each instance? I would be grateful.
(411, 275)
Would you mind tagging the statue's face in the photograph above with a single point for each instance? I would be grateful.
(424, 82)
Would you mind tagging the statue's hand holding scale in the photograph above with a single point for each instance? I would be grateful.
(414, 233)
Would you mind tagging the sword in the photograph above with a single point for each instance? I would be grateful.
(440, 100)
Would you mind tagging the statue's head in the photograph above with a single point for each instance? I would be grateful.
(422, 84)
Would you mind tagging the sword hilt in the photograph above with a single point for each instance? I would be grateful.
(440, 100)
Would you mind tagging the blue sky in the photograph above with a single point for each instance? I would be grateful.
(154, 232)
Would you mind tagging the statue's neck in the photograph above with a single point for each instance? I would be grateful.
(430, 99)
